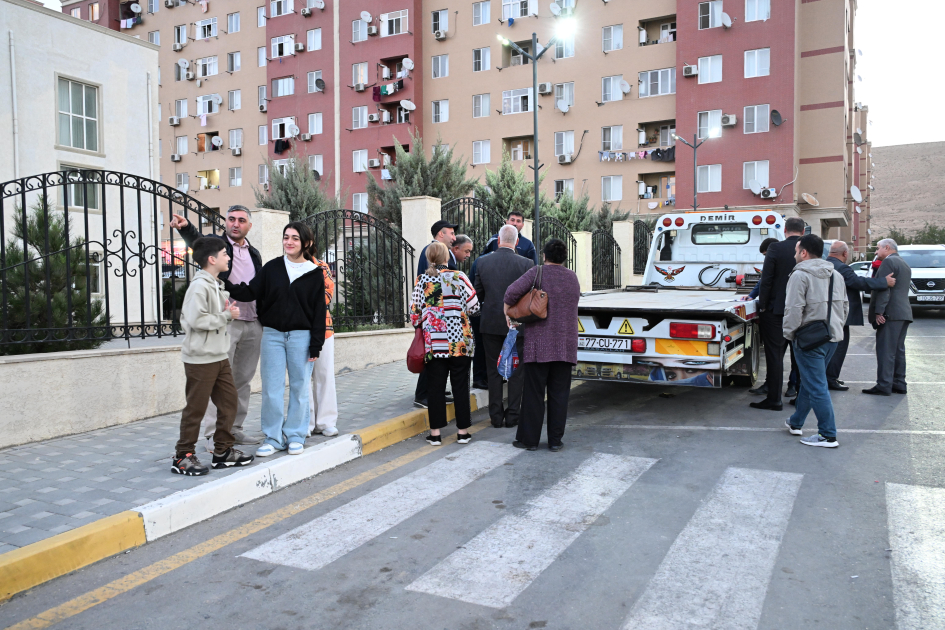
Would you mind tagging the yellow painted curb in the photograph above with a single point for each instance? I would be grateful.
(47, 559)
(389, 432)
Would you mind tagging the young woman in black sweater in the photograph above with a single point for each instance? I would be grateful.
(290, 301)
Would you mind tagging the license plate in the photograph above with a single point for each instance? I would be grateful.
(604, 343)
(930, 298)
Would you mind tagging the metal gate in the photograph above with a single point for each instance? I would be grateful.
(642, 237)
(476, 220)
(550, 227)
(605, 261)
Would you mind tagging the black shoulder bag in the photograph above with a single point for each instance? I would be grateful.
(815, 334)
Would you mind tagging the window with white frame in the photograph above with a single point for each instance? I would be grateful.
(236, 176)
(610, 89)
(441, 66)
(710, 14)
(280, 7)
(757, 171)
(517, 101)
(401, 115)
(481, 59)
(666, 135)
(393, 23)
(756, 119)
(260, 16)
(757, 10)
(263, 172)
(261, 56)
(611, 138)
(441, 111)
(233, 100)
(261, 90)
(180, 145)
(154, 6)
(359, 202)
(283, 46)
(564, 47)
(205, 29)
(667, 32)
(313, 39)
(359, 160)
(611, 188)
(441, 20)
(78, 115)
(183, 181)
(564, 143)
(757, 63)
(563, 187)
(76, 13)
(657, 82)
(613, 37)
(233, 23)
(316, 162)
(236, 138)
(710, 124)
(313, 78)
(94, 13)
(359, 73)
(517, 8)
(315, 123)
(710, 69)
(280, 127)
(206, 66)
(160, 110)
(180, 108)
(155, 37)
(208, 104)
(233, 62)
(481, 11)
(358, 31)
(481, 152)
(565, 92)
(263, 135)
(480, 106)
(709, 178)
(82, 195)
(283, 87)
(180, 34)
(359, 117)
(282, 166)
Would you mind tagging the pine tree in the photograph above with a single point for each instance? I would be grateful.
(608, 216)
(507, 189)
(575, 214)
(296, 190)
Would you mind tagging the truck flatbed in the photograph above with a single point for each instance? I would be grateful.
(675, 301)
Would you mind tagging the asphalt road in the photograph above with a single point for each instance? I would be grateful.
(683, 511)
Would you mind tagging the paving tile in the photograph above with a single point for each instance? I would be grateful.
(30, 479)
(101, 502)
(26, 538)
(40, 515)
(16, 529)
(82, 490)
(61, 529)
(4, 515)
(102, 479)
(158, 490)
(65, 479)
(83, 515)
(62, 502)
(46, 490)
(23, 502)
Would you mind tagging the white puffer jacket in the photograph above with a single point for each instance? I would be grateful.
(806, 299)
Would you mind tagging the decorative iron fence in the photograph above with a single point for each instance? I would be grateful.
(549, 228)
(87, 256)
(605, 261)
(373, 268)
(642, 237)
(476, 220)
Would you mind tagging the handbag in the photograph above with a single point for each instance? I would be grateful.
(417, 353)
(815, 334)
(532, 306)
(508, 359)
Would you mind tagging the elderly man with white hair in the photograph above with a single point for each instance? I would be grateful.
(890, 314)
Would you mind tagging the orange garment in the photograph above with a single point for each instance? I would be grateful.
(329, 294)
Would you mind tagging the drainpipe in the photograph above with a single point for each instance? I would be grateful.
(336, 88)
(16, 130)
(154, 288)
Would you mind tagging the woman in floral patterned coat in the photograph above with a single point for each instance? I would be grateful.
(441, 304)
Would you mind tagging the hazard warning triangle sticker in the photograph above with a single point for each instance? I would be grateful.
(625, 328)
(580, 327)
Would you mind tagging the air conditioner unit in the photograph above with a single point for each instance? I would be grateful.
(170, 4)
(372, 30)
(189, 76)
(545, 88)
(690, 71)
(374, 163)
(374, 118)
(769, 193)
(300, 48)
(177, 47)
(237, 151)
(306, 12)
(385, 116)
(173, 121)
(359, 87)
(564, 158)
(306, 137)
(175, 157)
(439, 35)
(264, 107)
(265, 185)
(729, 120)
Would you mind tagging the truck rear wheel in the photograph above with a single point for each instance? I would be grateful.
(748, 380)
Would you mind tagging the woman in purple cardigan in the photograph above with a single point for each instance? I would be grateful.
(550, 348)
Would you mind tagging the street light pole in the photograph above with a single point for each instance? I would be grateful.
(695, 166)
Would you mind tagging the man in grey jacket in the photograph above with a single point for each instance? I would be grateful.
(890, 314)
(810, 299)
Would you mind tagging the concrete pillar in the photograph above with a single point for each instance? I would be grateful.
(583, 260)
(418, 214)
(623, 234)
(266, 235)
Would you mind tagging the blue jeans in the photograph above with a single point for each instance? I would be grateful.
(813, 392)
(280, 352)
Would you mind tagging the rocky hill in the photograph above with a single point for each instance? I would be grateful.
(910, 186)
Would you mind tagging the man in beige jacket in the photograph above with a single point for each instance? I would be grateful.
(810, 299)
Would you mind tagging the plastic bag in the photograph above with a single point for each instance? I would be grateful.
(508, 358)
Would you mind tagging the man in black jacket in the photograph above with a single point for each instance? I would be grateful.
(245, 331)
(779, 262)
(523, 247)
(839, 254)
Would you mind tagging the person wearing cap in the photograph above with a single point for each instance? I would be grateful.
(245, 331)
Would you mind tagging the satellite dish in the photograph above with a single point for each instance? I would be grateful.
(858, 209)
(318, 4)
(293, 130)
(856, 194)
(624, 87)
(320, 85)
(316, 175)
(555, 9)
(857, 138)
(217, 141)
(859, 131)
(562, 105)
(366, 16)
(183, 63)
(810, 199)
(408, 63)
(776, 119)
(408, 105)
(136, 7)
(869, 231)
(859, 149)
(755, 186)
(726, 20)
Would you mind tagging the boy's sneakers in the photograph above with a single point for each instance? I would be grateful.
(435, 440)
(463, 438)
(188, 465)
(232, 457)
(295, 448)
(792, 430)
(818, 440)
(265, 450)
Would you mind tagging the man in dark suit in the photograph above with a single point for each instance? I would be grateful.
(494, 273)
(890, 314)
(839, 254)
(779, 262)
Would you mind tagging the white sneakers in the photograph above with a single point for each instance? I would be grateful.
(265, 450)
(295, 448)
(330, 431)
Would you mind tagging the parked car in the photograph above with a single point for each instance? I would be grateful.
(928, 275)
(862, 268)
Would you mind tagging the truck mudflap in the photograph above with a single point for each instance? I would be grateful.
(690, 371)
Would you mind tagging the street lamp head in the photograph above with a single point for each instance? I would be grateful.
(504, 41)
(566, 28)
(675, 137)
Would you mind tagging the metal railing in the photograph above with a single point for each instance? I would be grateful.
(476, 220)
(550, 228)
(605, 261)
(642, 237)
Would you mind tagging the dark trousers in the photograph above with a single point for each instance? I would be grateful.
(480, 372)
(891, 355)
(493, 348)
(553, 378)
(206, 382)
(775, 345)
(836, 363)
(421, 391)
(457, 370)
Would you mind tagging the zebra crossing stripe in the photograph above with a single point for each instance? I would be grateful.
(716, 573)
(329, 537)
(497, 565)
(916, 516)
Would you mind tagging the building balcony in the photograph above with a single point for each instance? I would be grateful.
(655, 31)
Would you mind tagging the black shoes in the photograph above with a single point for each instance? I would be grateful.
(555, 447)
(518, 444)
(761, 390)
(498, 424)
(766, 404)
(188, 465)
(232, 457)
(791, 392)
(463, 438)
(434, 440)
(420, 404)
(876, 392)
(837, 386)
(900, 391)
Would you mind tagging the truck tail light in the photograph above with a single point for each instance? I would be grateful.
(679, 221)
(756, 220)
(771, 219)
(638, 345)
(679, 330)
(667, 222)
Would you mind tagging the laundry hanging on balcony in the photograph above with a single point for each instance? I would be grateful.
(131, 22)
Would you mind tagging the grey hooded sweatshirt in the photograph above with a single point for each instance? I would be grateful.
(807, 298)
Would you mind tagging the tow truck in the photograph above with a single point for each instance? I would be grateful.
(690, 322)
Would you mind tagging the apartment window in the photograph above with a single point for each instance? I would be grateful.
(710, 69)
(441, 66)
(441, 20)
(315, 162)
(233, 101)
(402, 116)
(181, 145)
(757, 63)
(183, 181)
(78, 115)
(82, 195)
(180, 108)
(710, 124)
(313, 39)
(757, 10)
(710, 14)
(610, 89)
(153, 6)
(441, 111)
(757, 171)
(263, 135)
(481, 59)
(517, 101)
(611, 138)
(667, 32)
(263, 172)
(393, 23)
(283, 87)
(565, 92)
(93, 12)
(481, 13)
(359, 202)
(481, 152)
(359, 159)
(666, 135)
(315, 123)
(236, 176)
(206, 66)
(76, 13)
(280, 7)
(208, 104)
(359, 117)
(657, 82)
(155, 37)
(611, 188)
(564, 143)
(516, 8)
(613, 37)
(480, 106)
(205, 29)
(261, 56)
(260, 16)
(262, 94)
(564, 47)
(236, 138)
(313, 78)
(283, 46)
(359, 73)
(233, 62)
(756, 119)
(233, 23)
(358, 31)
(563, 187)
(180, 34)
(709, 178)
(520, 149)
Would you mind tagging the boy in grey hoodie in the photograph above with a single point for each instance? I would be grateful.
(204, 316)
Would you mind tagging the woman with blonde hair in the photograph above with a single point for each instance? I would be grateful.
(441, 304)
